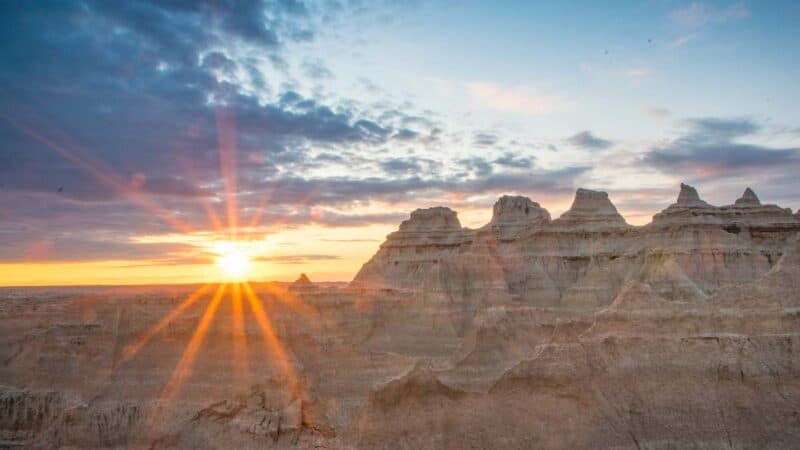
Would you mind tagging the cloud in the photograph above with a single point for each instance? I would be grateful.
(405, 134)
(32, 247)
(296, 259)
(586, 140)
(680, 41)
(656, 112)
(709, 148)
(698, 14)
(315, 69)
(482, 179)
(484, 139)
(400, 166)
(477, 166)
(515, 161)
(517, 99)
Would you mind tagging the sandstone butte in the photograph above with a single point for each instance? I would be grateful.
(530, 332)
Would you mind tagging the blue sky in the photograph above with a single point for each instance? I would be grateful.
(124, 124)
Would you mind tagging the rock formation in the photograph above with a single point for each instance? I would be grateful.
(591, 210)
(302, 283)
(578, 332)
(748, 198)
(512, 214)
(583, 258)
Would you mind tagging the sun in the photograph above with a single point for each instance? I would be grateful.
(234, 263)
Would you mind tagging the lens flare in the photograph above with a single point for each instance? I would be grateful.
(234, 264)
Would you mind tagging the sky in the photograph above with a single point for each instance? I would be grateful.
(140, 140)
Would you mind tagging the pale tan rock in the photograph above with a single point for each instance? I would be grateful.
(511, 214)
(591, 210)
(583, 258)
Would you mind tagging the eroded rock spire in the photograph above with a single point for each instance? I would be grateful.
(748, 198)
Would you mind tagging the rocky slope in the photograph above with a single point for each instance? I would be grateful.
(578, 332)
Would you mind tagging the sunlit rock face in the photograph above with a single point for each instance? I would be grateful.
(578, 332)
(582, 259)
(418, 255)
(590, 211)
(512, 214)
(692, 248)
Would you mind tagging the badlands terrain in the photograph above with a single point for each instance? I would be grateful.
(530, 332)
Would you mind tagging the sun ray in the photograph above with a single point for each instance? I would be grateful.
(132, 349)
(256, 220)
(268, 332)
(262, 205)
(241, 363)
(213, 217)
(291, 300)
(184, 367)
(226, 141)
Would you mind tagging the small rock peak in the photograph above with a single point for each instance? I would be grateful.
(589, 201)
(592, 210)
(302, 283)
(436, 218)
(689, 197)
(515, 209)
(748, 198)
(302, 279)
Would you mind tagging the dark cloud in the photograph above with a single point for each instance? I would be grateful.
(585, 139)
(341, 191)
(709, 148)
(484, 139)
(515, 161)
(71, 247)
(477, 166)
(98, 93)
(405, 134)
(396, 166)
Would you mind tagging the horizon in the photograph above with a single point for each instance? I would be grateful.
(254, 279)
(144, 143)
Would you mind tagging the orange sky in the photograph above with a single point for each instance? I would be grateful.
(324, 253)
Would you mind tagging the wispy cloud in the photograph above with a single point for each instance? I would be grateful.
(710, 148)
(516, 99)
(587, 140)
(656, 112)
(296, 259)
(682, 40)
(698, 15)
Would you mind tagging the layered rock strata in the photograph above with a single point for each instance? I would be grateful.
(583, 258)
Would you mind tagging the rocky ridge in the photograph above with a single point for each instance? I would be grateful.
(583, 258)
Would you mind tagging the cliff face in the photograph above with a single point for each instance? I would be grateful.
(583, 258)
